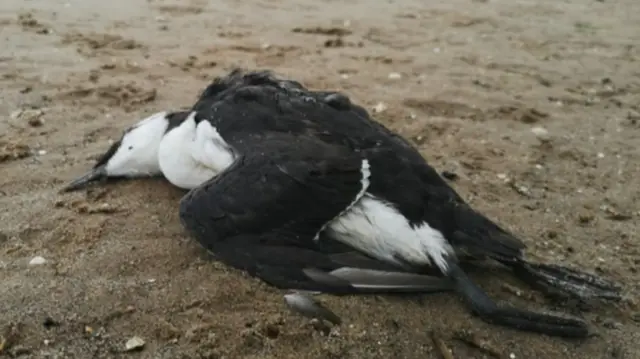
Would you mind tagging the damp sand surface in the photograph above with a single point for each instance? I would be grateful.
(533, 105)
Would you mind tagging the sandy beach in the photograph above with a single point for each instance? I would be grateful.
(534, 105)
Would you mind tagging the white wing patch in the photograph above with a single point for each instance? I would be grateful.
(378, 229)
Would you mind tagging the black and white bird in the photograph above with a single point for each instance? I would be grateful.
(304, 190)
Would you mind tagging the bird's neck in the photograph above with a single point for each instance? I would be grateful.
(191, 155)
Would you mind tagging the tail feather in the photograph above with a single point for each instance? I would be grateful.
(479, 235)
(486, 238)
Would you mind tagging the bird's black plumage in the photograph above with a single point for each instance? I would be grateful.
(261, 214)
(299, 169)
(256, 104)
(253, 107)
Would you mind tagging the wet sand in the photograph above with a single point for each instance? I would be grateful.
(533, 104)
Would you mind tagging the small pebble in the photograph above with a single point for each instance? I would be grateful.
(451, 176)
(611, 324)
(600, 155)
(395, 76)
(49, 323)
(523, 190)
(272, 331)
(380, 107)
(541, 133)
(512, 356)
(42, 152)
(585, 217)
(35, 122)
(26, 114)
(135, 343)
(36, 261)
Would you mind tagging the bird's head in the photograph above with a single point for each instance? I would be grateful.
(135, 154)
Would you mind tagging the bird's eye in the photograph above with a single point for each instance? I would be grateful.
(130, 148)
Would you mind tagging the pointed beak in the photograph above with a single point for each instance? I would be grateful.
(95, 174)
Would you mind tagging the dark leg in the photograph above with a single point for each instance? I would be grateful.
(489, 311)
